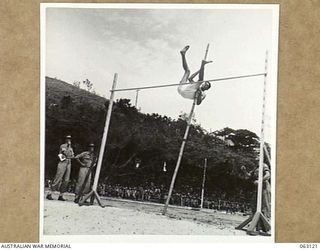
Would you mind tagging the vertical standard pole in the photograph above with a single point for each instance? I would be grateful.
(105, 134)
(203, 181)
(260, 178)
(136, 102)
(258, 221)
(179, 158)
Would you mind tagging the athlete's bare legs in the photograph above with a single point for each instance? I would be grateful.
(185, 64)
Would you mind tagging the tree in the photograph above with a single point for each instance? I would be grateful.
(76, 84)
(66, 101)
(88, 85)
(241, 138)
(184, 116)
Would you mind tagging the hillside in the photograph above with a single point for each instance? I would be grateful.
(57, 89)
(150, 138)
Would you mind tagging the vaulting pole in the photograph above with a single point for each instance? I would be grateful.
(207, 50)
(93, 192)
(181, 149)
(203, 182)
(179, 158)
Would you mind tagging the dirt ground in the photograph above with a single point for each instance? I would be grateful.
(131, 217)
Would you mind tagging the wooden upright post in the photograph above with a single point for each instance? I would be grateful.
(105, 133)
(137, 96)
(203, 182)
(93, 191)
(258, 220)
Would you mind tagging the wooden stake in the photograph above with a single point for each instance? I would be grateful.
(102, 147)
(203, 182)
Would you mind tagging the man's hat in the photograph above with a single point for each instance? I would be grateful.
(91, 145)
(68, 136)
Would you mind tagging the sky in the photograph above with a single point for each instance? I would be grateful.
(142, 46)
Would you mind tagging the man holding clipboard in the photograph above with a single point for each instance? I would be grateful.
(62, 176)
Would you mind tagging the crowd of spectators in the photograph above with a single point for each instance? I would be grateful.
(185, 196)
(158, 194)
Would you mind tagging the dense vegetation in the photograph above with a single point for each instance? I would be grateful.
(150, 138)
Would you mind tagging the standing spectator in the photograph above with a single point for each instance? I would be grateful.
(62, 176)
(86, 160)
(266, 192)
(266, 189)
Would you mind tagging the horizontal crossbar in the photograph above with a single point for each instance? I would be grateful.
(186, 83)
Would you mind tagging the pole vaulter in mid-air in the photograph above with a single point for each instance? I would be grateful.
(196, 89)
(195, 92)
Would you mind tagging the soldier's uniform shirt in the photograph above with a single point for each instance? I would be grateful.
(66, 150)
(85, 157)
(62, 177)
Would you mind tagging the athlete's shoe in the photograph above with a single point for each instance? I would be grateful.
(61, 198)
(49, 197)
(184, 50)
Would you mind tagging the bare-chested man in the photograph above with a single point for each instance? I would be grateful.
(195, 89)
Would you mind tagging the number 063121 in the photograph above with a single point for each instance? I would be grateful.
(310, 245)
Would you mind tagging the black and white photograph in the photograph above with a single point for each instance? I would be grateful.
(158, 120)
